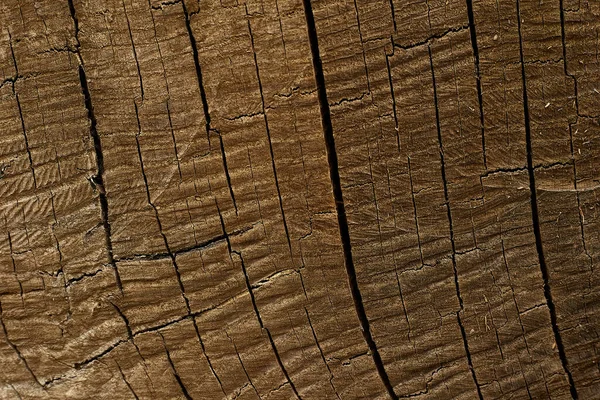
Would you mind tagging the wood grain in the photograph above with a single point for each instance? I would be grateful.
(296, 199)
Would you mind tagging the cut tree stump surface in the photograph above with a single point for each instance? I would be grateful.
(295, 199)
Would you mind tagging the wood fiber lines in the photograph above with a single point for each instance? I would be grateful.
(296, 199)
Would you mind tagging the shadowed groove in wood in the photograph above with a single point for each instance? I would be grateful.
(98, 179)
(61, 308)
(14, 265)
(174, 370)
(263, 327)
(135, 55)
(239, 358)
(334, 175)
(14, 59)
(255, 306)
(473, 33)
(207, 119)
(127, 382)
(564, 54)
(170, 252)
(451, 229)
(535, 217)
(575, 184)
(314, 334)
(268, 130)
(393, 95)
(16, 349)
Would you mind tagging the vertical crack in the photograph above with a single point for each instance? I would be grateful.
(170, 252)
(151, 204)
(61, 270)
(242, 364)
(207, 119)
(127, 382)
(264, 113)
(321, 353)
(510, 283)
(414, 204)
(174, 141)
(393, 11)
(255, 306)
(131, 338)
(23, 129)
(263, 327)
(14, 266)
(473, 33)
(451, 227)
(391, 83)
(97, 179)
(536, 221)
(28, 149)
(334, 176)
(564, 51)
(135, 56)
(188, 27)
(403, 306)
(575, 89)
(225, 167)
(127, 325)
(174, 370)
(16, 391)
(16, 349)
(362, 45)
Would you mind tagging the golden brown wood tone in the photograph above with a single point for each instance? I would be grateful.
(296, 199)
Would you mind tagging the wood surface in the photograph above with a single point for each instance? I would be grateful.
(296, 199)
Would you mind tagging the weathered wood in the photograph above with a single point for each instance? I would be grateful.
(299, 199)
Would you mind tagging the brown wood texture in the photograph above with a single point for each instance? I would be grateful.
(295, 199)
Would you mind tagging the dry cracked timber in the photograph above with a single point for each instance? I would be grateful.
(296, 199)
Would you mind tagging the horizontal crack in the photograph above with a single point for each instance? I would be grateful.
(184, 250)
(431, 38)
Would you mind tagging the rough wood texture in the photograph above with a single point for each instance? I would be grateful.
(278, 199)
